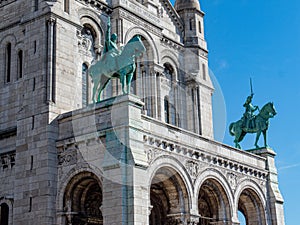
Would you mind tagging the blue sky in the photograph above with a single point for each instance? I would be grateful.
(261, 39)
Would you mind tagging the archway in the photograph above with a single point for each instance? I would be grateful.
(4, 214)
(251, 207)
(213, 204)
(83, 200)
(169, 198)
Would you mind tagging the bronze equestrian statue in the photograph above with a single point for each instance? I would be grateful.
(251, 123)
(115, 63)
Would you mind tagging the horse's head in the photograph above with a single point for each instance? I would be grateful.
(135, 46)
(269, 109)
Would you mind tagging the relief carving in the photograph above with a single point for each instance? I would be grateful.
(232, 179)
(193, 168)
(152, 154)
(67, 158)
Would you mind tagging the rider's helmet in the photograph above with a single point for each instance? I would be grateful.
(114, 37)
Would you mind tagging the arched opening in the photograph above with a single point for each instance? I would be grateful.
(85, 85)
(169, 198)
(8, 63)
(83, 200)
(144, 79)
(251, 207)
(20, 64)
(171, 106)
(166, 109)
(213, 204)
(4, 210)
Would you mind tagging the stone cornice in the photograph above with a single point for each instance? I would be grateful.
(97, 4)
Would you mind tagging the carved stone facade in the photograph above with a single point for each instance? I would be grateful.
(147, 158)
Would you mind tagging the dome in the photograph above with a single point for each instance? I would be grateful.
(187, 4)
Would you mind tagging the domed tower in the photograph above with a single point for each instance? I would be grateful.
(192, 16)
(196, 63)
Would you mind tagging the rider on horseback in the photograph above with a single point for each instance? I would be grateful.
(248, 115)
(110, 50)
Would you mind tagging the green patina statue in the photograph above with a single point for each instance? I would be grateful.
(115, 63)
(251, 123)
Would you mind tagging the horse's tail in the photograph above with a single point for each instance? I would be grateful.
(231, 130)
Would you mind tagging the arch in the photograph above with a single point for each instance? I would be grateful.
(142, 32)
(6, 211)
(91, 19)
(171, 58)
(82, 199)
(251, 202)
(8, 38)
(7, 57)
(176, 165)
(169, 190)
(220, 183)
(65, 180)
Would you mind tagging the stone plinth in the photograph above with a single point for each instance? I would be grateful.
(274, 194)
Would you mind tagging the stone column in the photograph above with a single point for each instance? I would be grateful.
(274, 197)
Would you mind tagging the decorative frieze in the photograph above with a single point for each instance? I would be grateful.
(196, 156)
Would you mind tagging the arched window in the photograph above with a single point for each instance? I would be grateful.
(8, 63)
(20, 64)
(200, 27)
(168, 71)
(84, 85)
(4, 214)
(166, 110)
(67, 6)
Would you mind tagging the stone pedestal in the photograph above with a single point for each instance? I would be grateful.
(274, 197)
(125, 195)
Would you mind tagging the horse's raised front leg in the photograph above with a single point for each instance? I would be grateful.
(257, 138)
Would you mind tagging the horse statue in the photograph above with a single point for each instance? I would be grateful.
(260, 125)
(121, 66)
